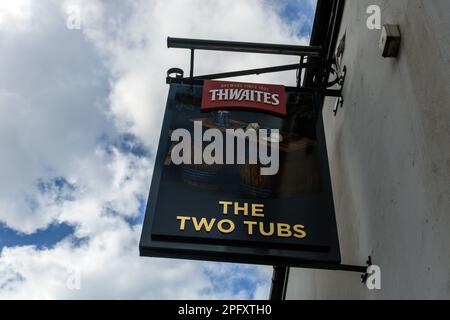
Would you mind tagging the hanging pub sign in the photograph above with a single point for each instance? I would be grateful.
(241, 175)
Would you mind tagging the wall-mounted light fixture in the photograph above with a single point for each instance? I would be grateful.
(390, 40)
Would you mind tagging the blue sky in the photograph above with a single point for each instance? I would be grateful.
(82, 116)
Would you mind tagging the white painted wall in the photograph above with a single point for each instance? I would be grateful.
(389, 152)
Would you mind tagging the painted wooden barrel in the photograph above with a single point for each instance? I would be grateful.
(254, 184)
(201, 175)
(299, 173)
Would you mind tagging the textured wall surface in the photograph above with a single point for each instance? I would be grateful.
(389, 153)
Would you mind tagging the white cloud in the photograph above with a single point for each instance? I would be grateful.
(66, 96)
(109, 268)
(15, 14)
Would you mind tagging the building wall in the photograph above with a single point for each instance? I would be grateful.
(389, 153)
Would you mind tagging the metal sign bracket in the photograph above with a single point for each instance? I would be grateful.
(311, 60)
(281, 274)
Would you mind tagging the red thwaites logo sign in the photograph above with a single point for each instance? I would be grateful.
(224, 95)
